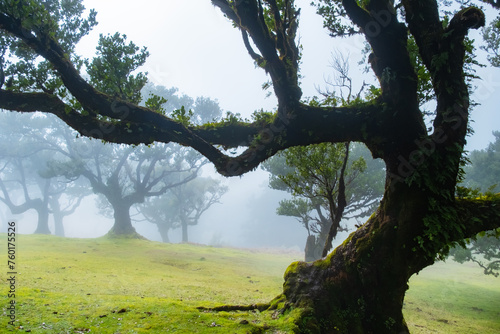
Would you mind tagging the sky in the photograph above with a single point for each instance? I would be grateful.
(195, 48)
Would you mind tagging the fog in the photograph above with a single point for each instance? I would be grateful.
(194, 48)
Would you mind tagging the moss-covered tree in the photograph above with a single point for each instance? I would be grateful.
(360, 286)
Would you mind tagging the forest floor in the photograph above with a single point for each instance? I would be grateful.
(123, 286)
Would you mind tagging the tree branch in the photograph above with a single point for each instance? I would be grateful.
(278, 50)
(477, 215)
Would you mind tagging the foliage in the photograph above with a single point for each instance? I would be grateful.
(62, 20)
(491, 35)
(94, 279)
(111, 70)
(315, 186)
(155, 102)
(335, 18)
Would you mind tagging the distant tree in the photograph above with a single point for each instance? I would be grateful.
(323, 193)
(182, 206)
(31, 190)
(491, 35)
(484, 250)
(125, 176)
(482, 180)
(483, 171)
(26, 154)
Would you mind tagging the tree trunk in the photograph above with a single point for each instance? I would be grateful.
(58, 217)
(163, 229)
(123, 222)
(184, 227)
(360, 286)
(58, 224)
(43, 221)
(311, 249)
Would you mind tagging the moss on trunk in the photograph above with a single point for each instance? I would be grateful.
(360, 286)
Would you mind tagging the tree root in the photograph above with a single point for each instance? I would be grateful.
(232, 308)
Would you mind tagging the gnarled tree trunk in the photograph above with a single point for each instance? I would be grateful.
(123, 223)
(42, 226)
(360, 286)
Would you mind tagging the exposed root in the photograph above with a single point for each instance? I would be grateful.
(233, 308)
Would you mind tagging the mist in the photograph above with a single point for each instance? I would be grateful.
(219, 68)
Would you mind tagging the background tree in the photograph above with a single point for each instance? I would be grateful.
(483, 250)
(24, 182)
(125, 176)
(360, 286)
(483, 170)
(323, 182)
(481, 180)
(491, 35)
(182, 206)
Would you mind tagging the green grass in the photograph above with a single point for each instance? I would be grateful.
(137, 286)
(453, 298)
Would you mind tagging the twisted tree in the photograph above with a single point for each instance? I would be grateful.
(360, 286)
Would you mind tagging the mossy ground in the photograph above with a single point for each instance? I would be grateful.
(137, 286)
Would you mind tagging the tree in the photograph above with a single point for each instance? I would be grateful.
(322, 192)
(34, 191)
(182, 206)
(125, 176)
(484, 250)
(24, 180)
(360, 286)
(491, 36)
(319, 173)
(481, 180)
(483, 172)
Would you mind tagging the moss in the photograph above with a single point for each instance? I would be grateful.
(91, 278)
(294, 267)
(134, 235)
(303, 320)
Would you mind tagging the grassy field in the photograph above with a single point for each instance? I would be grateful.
(137, 286)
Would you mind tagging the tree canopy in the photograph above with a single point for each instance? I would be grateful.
(360, 286)
(325, 185)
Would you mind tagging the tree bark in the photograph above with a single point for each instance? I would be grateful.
(360, 286)
(123, 222)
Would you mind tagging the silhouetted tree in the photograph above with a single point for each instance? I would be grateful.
(182, 206)
(26, 154)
